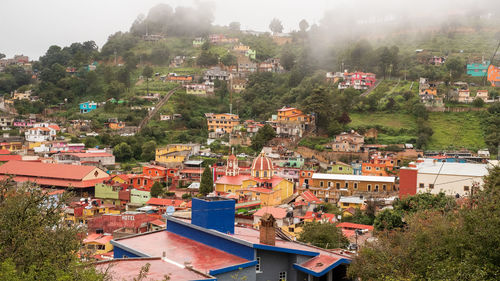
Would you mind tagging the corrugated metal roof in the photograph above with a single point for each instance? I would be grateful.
(320, 176)
(457, 169)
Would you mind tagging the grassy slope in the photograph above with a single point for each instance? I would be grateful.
(451, 130)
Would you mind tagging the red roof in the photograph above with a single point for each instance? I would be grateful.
(316, 216)
(310, 197)
(90, 154)
(57, 182)
(159, 223)
(278, 213)
(55, 127)
(125, 269)
(5, 158)
(320, 263)
(46, 170)
(233, 180)
(192, 171)
(4, 151)
(354, 225)
(98, 238)
(164, 202)
(262, 163)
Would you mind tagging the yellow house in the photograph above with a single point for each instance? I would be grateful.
(355, 202)
(174, 153)
(80, 215)
(97, 244)
(261, 184)
(222, 123)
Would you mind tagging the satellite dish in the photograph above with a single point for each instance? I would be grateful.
(170, 210)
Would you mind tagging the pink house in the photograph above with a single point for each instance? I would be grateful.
(358, 80)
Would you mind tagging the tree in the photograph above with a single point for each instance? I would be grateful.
(2, 56)
(123, 152)
(263, 136)
(276, 26)
(235, 26)
(455, 66)
(478, 102)
(90, 142)
(148, 73)
(30, 216)
(115, 89)
(324, 235)
(344, 119)
(287, 58)
(148, 151)
(458, 244)
(229, 59)
(318, 102)
(388, 219)
(207, 182)
(303, 25)
(156, 189)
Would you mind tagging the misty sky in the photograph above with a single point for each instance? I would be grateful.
(30, 26)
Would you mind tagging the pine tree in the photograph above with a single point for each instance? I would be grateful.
(207, 182)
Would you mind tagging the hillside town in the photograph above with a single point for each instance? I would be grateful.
(200, 152)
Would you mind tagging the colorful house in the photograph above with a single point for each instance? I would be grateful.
(494, 75)
(87, 106)
(222, 123)
(348, 142)
(378, 166)
(291, 114)
(340, 168)
(358, 80)
(478, 69)
(261, 185)
(97, 244)
(355, 202)
(197, 42)
(175, 153)
(330, 187)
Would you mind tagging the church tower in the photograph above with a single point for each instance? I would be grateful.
(232, 168)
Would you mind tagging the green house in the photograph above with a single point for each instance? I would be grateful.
(108, 193)
(339, 168)
(139, 197)
(478, 69)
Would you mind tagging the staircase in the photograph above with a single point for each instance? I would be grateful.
(145, 121)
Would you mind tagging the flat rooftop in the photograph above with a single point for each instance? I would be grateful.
(128, 269)
(179, 249)
(320, 176)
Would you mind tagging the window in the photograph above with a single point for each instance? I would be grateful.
(431, 185)
(308, 174)
(368, 168)
(421, 185)
(321, 184)
(369, 187)
(303, 174)
(466, 188)
(257, 173)
(330, 184)
(355, 185)
(345, 204)
(376, 187)
(257, 266)
(384, 187)
(377, 168)
(346, 185)
(265, 173)
(337, 185)
(145, 182)
(101, 247)
(283, 276)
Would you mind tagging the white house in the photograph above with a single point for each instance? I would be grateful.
(450, 178)
(42, 132)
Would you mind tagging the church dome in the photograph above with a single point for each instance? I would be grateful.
(262, 167)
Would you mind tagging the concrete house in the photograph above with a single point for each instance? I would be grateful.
(252, 254)
(88, 106)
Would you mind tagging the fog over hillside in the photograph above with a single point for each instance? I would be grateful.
(61, 22)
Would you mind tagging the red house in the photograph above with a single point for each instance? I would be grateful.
(358, 80)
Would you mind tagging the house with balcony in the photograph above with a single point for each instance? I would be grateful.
(88, 106)
(220, 124)
(348, 142)
(478, 69)
(358, 80)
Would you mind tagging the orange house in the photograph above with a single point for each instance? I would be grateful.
(154, 171)
(494, 75)
(292, 114)
(378, 166)
(116, 125)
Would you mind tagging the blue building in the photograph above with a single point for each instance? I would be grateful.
(211, 244)
(478, 69)
(87, 106)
